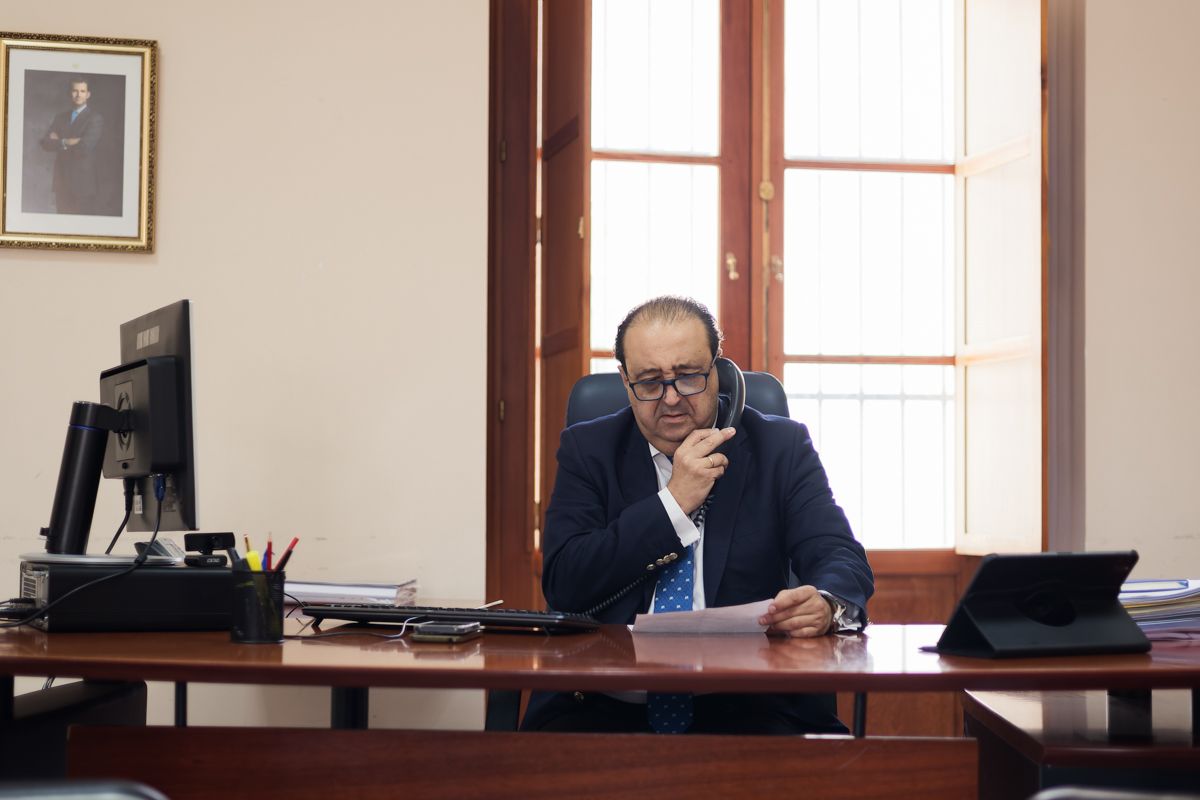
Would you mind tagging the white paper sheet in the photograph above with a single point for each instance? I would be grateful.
(384, 594)
(727, 619)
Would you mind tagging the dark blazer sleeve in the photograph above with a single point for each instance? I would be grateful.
(823, 550)
(90, 135)
(602, 528)
(59, 125)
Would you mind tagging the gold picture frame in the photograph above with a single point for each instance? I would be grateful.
(77, 142)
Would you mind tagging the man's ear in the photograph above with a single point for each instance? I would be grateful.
(625, 383)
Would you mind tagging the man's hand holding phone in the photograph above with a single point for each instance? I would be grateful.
(697, 466)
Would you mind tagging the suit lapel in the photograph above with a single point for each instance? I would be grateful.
(722, 514)
(635, 473)
(79, 126)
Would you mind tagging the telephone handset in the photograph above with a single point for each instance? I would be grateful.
(733, 383)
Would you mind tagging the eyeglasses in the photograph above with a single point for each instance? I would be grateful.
(689, 384)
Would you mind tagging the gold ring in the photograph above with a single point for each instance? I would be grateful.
(710, 462)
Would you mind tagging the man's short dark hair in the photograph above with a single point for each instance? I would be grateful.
(670, 308)
(78, 79)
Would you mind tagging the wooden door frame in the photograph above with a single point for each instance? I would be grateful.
(735, 306)
(511, 241)
(511, 518)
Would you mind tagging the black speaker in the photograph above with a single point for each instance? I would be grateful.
(1045, 604)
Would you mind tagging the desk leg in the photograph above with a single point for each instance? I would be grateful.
(7, 698)
(349, 707)
(860, 714)
(1196, 716)
(1129, 715)
(180, 704)
(503, 709)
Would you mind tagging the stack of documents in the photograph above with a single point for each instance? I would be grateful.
(383, 594)
(1164, 609)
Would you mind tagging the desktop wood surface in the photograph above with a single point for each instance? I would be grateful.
(887, 658)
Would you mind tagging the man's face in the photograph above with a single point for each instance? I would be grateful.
(666, 350)
(79, 94)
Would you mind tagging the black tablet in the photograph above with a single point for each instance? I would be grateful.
(1045, 604)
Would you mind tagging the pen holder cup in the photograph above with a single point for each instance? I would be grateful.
(257, 607)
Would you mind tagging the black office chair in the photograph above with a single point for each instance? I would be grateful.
(80, 790)
(1100, 793)
(596, 395)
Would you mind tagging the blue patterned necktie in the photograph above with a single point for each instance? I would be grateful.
(672, 713)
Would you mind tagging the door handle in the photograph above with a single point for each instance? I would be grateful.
(731, 266)
(775, 268)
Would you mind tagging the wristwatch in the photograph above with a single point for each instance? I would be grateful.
(838, 609)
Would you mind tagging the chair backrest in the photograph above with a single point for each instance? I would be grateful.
(596, 395)
(64, 789)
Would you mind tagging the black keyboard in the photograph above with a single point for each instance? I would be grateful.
(511, 619)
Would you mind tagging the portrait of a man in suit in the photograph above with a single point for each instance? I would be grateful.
(74, 136)
(79, 144)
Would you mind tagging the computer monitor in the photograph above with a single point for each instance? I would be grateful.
(142, 427)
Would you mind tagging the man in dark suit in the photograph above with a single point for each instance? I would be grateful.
(73, 136)
(630, 495)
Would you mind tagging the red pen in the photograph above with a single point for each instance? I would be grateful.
(267, 555)
(287, 553)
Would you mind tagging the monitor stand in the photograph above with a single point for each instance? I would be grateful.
(85, 560)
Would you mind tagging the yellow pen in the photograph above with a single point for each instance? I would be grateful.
(254, 561)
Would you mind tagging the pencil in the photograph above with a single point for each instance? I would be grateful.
(287, 553)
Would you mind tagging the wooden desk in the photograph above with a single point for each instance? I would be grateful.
(1029, 741)
(888, 658)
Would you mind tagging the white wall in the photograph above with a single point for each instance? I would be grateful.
(322, 201)
(1142, 281)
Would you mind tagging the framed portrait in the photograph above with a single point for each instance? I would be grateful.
(77, 164)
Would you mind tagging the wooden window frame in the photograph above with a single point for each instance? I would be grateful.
(505, 320)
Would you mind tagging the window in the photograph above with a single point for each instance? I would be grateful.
(655, 168)
(868, 291)
(858, 201)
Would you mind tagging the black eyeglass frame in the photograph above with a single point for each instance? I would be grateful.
(663, 384)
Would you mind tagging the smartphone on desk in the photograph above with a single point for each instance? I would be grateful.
(446, 632)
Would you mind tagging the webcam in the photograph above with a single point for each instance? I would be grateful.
(206, 543)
